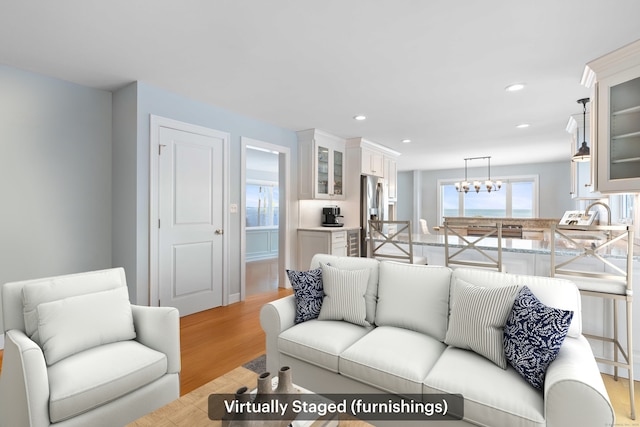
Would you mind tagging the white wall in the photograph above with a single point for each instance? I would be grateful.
(55, 176)
(554, 187)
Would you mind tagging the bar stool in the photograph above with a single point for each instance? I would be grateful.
(612, 283)
(384, 244)
(463, 243)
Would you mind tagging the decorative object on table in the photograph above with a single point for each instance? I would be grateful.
(282, 384)
(489, 185)
(285, 383)
(578, 218)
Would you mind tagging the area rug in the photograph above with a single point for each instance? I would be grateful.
(257, 365)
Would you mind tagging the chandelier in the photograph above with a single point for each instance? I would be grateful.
(488, 186)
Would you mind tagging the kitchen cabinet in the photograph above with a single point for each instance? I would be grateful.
(391, 178)
(321, 160)
(615, 79)
(372, 163)
(582, 182)
(330, 241)
(372, 157)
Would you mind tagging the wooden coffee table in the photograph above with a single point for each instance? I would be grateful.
(191, 410)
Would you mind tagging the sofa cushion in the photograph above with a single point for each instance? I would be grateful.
(419, 301)
(492, 396)
(74, 324)
(344, 295)
(320, 342)
(553, 292)
(356, 263)
(308, 291)
(99, 375)
(478, 316)
(533, 335)
(392, 359)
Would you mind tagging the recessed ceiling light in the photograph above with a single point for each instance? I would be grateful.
(406, 141)
(523, 125)
(514, 87)
(360, 117)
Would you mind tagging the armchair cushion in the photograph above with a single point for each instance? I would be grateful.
(35, 292)
(99, 375)
(74, 324)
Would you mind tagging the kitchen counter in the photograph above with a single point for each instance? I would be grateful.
(524, 246)
(331, 229)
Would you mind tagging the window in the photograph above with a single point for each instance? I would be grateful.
(516, 199)
(262, 204)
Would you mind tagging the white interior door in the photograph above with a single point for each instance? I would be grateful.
(191, 218)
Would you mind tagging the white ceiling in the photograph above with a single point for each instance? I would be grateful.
(433, 71)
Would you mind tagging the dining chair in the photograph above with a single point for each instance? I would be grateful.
(391, 241)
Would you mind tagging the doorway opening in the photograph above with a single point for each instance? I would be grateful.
(264, 212)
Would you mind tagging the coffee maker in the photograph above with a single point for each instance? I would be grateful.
(331, 217)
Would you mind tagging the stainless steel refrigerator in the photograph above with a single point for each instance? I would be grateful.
(373, 205)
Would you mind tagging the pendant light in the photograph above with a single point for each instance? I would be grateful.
(583, 154)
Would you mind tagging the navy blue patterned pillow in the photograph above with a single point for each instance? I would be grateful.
(533, 336)
(308, 291)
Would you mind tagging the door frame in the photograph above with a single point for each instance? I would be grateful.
(284, 184)
(155, 123)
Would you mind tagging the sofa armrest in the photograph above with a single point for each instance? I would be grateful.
(575, 394)
(24, 383)
(275, 317)
(159, 328)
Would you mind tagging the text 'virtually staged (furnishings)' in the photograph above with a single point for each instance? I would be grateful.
(511, 345)
(77, 353)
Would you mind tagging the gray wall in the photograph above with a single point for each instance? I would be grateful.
(554, 187)
(74, 175)
(55, 176)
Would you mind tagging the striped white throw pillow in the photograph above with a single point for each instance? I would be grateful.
(344, 295)
(477, 320)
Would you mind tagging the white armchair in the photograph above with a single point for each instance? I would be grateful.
(78, 354)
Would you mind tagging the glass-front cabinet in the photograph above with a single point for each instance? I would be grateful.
(330, 168)
(321, 165)
(616, 88)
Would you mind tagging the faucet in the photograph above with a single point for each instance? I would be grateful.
(586, 211)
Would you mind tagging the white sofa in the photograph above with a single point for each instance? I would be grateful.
(403, 351)
(77, 353)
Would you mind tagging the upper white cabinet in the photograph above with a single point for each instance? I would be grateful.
(373, 158)
(372, 162)
(615, 79)
(391, 178)
(321, 165)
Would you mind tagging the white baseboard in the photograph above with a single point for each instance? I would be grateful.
(233, 298)
(1, 341)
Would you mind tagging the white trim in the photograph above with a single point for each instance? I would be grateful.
(284, 154)
(155, 123)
